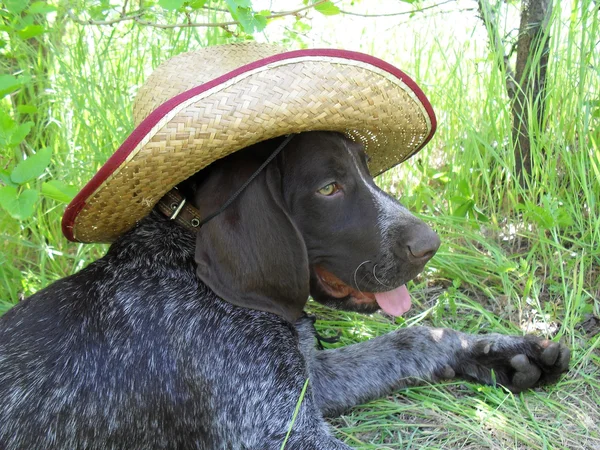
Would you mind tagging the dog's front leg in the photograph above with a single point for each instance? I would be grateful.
(347, 376)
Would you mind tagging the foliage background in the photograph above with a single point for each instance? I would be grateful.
(514, 260)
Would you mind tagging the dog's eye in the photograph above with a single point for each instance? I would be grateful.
(330, 189)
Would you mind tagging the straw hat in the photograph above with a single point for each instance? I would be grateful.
(201, 106)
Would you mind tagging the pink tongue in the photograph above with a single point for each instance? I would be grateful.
(395, 302)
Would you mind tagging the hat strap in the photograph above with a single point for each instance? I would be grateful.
(175, 207)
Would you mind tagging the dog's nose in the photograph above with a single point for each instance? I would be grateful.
(421, 246)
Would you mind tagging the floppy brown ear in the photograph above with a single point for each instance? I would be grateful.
(252, 254)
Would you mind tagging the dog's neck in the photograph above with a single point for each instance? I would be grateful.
(156, 241)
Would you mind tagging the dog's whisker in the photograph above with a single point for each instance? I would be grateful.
(356, 272)
(378, 280)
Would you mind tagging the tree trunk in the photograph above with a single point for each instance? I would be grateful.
(532, 61)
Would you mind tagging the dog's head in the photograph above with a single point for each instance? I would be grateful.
(313, 222)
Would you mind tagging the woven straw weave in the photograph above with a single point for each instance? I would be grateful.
(290, 96)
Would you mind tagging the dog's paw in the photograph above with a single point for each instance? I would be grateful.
(518, 363)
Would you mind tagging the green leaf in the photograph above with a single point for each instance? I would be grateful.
(464, 188)
(443, 176)
(7, 126)
(506, 267)
(98, 12)
(31, 31)
(564, 218)
(171, 5)
(6, 122)
(41, 8)
(19, 134)
(27, 109)
(59, 191)
(244, 17)
(16, 7)
(19, 205)
(464, 209)
(5, 178)
(260, 22)
(232, 6)
(541, 216)
(197, 4)
(9, 84)
(452, 305)
(458, 199)
(242, 3)
(32, 167)
(327, 9)
(480, 215)
(23, 22)
(241, 11)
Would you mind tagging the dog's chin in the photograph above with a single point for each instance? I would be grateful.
(329, 290)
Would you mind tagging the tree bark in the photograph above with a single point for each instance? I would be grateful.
(526, 85)
(532, 61)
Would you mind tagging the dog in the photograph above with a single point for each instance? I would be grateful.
(183, 340)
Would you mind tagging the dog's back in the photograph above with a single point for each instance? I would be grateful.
(134, 352)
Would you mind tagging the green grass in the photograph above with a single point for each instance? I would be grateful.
(512, 260)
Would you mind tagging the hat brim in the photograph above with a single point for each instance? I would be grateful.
(322, 89)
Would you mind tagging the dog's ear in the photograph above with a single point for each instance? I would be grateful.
(252, 254)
